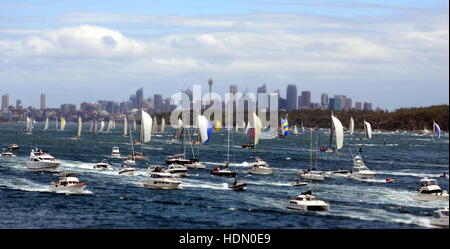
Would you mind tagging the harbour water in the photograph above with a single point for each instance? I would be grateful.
(205, 201)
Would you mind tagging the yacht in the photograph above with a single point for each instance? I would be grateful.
(195, 165)
(41, 161)
(129, 162)
(13, 147)
(237, 185)
(260, 167)
(162, 181)
(178, 170)
(179, 159)
(360, 170)
(68, 184)
(430, 191)
(307, 202)
(312, 175)
(115, 152)
(442, 220)
(156, 169)
(299, 183)
(126, 170)
(103, 165)
(222, 171)
(7, 154)
(138, 156)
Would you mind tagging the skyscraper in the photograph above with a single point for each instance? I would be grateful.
(348, 103)
(358, 106)
(5, 102)
(339, 102)
(158, 103)
(139, 97)
(324, 100)
(43, 101)
(367, 106)
(305, 100)
(291, 94)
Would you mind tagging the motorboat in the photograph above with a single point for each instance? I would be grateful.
(179, 159)
(444, 175)
(129, 162)
(13, 147)
(299, 183)
(248, 146)
(429, 190)
(360, 170)
(42, 161)
(328, 149)
(260, 167)
(442, 219)
(341, 171)
(195, 165)
(178, 170)
(223, 171)
(312, 175)
(126, 170)
(162, 181)
(7, 154)
(115, 152)
(237, 185)
(68, 184)
(156, 169)
(390, 180)
(138, 156)
(307, 202)
(103, 165)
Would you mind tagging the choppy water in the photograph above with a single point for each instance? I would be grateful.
(204, 200)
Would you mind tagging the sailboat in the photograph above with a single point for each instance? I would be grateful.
(352, 126)
(312, 174)
(180, 159)
(63, 123)
(255, 132)
(205, 128)
(91, 128)
(367, 130)
(127, 165)
(337, 131)
(163, 125)
(284, 130)
(436, 130)
(80, 127)
(134, 123)
(146, 134)
(224, 170)
(155, 126)
(295, 130)
(56, 123)
(102, 126)
(178, 132)
(110, 126)
(29, 125)
(125, 127)
(46, 125)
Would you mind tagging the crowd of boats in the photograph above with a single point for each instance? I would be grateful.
(177, 166)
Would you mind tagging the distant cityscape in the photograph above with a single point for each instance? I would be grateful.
(158, 104)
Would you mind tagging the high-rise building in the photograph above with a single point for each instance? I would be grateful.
(367, 106)
(18, 104)
(358, 106)
(324, 100)
(291, 95)
(139, 97)
(43, 101)
(233, 89)
(158, 103)
(68, 108)
(348, 103)
(5, 102)
(305, 100)
(339, 102)
(331, 104)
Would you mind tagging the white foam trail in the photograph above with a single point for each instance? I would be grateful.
(24, 184)
(190, 183)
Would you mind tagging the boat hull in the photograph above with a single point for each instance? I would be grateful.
(42, 166)
(261, 171)
(161, 184)
(72, 189)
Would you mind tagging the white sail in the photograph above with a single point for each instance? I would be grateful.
(257, 125)
(63, 123)
(155, 125)
(247, 127)
(134, 124)
(46, 125)
(163, 124)
(102, 126)
(56, 123)
(352, 126)
(367, 130)
(80, 127)
(110, 126)
(203, 125)
(28, 125)
(146, 127)
(91, 129)
(125, 125)
(339, 132)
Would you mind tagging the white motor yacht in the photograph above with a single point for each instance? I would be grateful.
(260, 167)
(177, 170)
(162, 181)
(442, 220)
(129, 162)
(68, 184)
(195, 165)
(13, 147)
(115, 152)
(430, 191)
(126, 170)
(42, 161)
(360, 170)
(7, 154)
(156, 169)
(312, 175)
(237, 185)
(103, 165)
(307, 202)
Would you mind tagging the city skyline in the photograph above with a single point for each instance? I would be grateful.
(392, 54)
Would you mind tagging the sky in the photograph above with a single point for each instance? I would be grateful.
(391, 53)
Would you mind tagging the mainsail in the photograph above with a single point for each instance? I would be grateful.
(155, 126)
(146, 127)
(46, 125)
(205, 128)
(80, 127)
(125, 126)
(352, 126)
(163, 125)
(338, 132)
(102, 126)
(91, 129)
(63, 123)
(257, 128)
(367, 130)
(437, 129)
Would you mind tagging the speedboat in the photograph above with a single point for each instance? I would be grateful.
(307, 202)
(442, 220)
(126, 170)
(195, 165)
(13, 147)
(390, 180)
(7, 154)
(312, 175)
(115, 152)
(138, 156)
(260, 167)
(103, 165)
(223, 171)
(178, 170)
(237, 185)
(360, 170)
(430, 191)
(299, 183)
(444, 175)
(68, 184)
(162, 181)
(41, 161)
